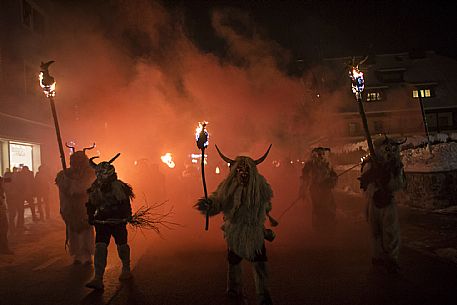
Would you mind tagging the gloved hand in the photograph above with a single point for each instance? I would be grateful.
(203, 204)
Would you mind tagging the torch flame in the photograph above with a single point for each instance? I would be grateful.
(168, 160)
(49, 90)
(358, 83)
(199, 131)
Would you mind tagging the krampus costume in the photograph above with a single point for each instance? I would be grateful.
(244, 198)
(73, 184)
(382, 176)
(318, 179)
(109, 210)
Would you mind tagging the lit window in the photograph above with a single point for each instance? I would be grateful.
(373, 96)
(423, 93)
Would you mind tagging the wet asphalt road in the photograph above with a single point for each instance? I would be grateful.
(188, 266)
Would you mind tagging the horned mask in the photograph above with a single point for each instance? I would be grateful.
(104, 170)
(241, 165)
(78, 158)
(388, 149)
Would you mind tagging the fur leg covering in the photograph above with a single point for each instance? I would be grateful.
(101, 253)
(234, 284)
(261, 283)
(124, 255)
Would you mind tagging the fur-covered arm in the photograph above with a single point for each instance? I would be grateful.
(211, 205)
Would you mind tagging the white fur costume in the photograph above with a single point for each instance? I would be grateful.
(73, 185)
(244, 209)
(244, 198)
(382, 209)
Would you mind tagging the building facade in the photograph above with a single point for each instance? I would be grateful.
(26, 130)
(395, 86)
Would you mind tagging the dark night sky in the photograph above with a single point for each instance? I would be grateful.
(312, 29)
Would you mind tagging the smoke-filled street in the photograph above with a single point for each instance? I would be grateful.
(188, 265)
(228, 152)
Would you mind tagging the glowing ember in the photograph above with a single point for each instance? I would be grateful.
(201, 135)
(49, 90)
(168, 160)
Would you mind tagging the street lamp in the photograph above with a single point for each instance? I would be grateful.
(48, 83)
(424, 119)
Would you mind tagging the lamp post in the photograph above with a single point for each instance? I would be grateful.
(48, 84)
(424, 119)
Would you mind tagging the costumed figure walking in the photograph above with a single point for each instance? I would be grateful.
(109, 210)
(383, 176)
(73, 184)
(318, 180)
(244, 198)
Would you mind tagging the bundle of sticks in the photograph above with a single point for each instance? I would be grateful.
(147, 217)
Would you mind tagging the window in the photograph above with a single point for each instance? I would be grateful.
(373, 96)
(354, 129)
(391, 76)
(378, 127)
(38, 22)
(445, 119)
(20, 155)
(32, 18)
(431, 120)
(26, 14)
(423, 92)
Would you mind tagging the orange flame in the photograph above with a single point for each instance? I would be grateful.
(168, 160)
(49, 91)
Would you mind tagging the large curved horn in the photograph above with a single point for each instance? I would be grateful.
(261, 159)
(92, 163)
(71, 147)
(114, 158)
(89, 148)
(228, 160)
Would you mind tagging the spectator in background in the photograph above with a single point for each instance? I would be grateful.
(43, 180)
(4, 248)
(27, 190)
(13, 199)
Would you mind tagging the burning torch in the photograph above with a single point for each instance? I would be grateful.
(358, 84)
(48, 84)
(201, 136)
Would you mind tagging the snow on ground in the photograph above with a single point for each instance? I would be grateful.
(443, 156)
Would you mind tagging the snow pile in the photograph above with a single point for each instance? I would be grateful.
(442, 158)
(351, 147)
(412, 141)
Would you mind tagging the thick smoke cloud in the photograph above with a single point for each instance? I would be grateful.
(131, 80)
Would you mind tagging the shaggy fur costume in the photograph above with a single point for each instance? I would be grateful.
(244, 210)
(318, 178)
(380, 179)
(73, 185)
